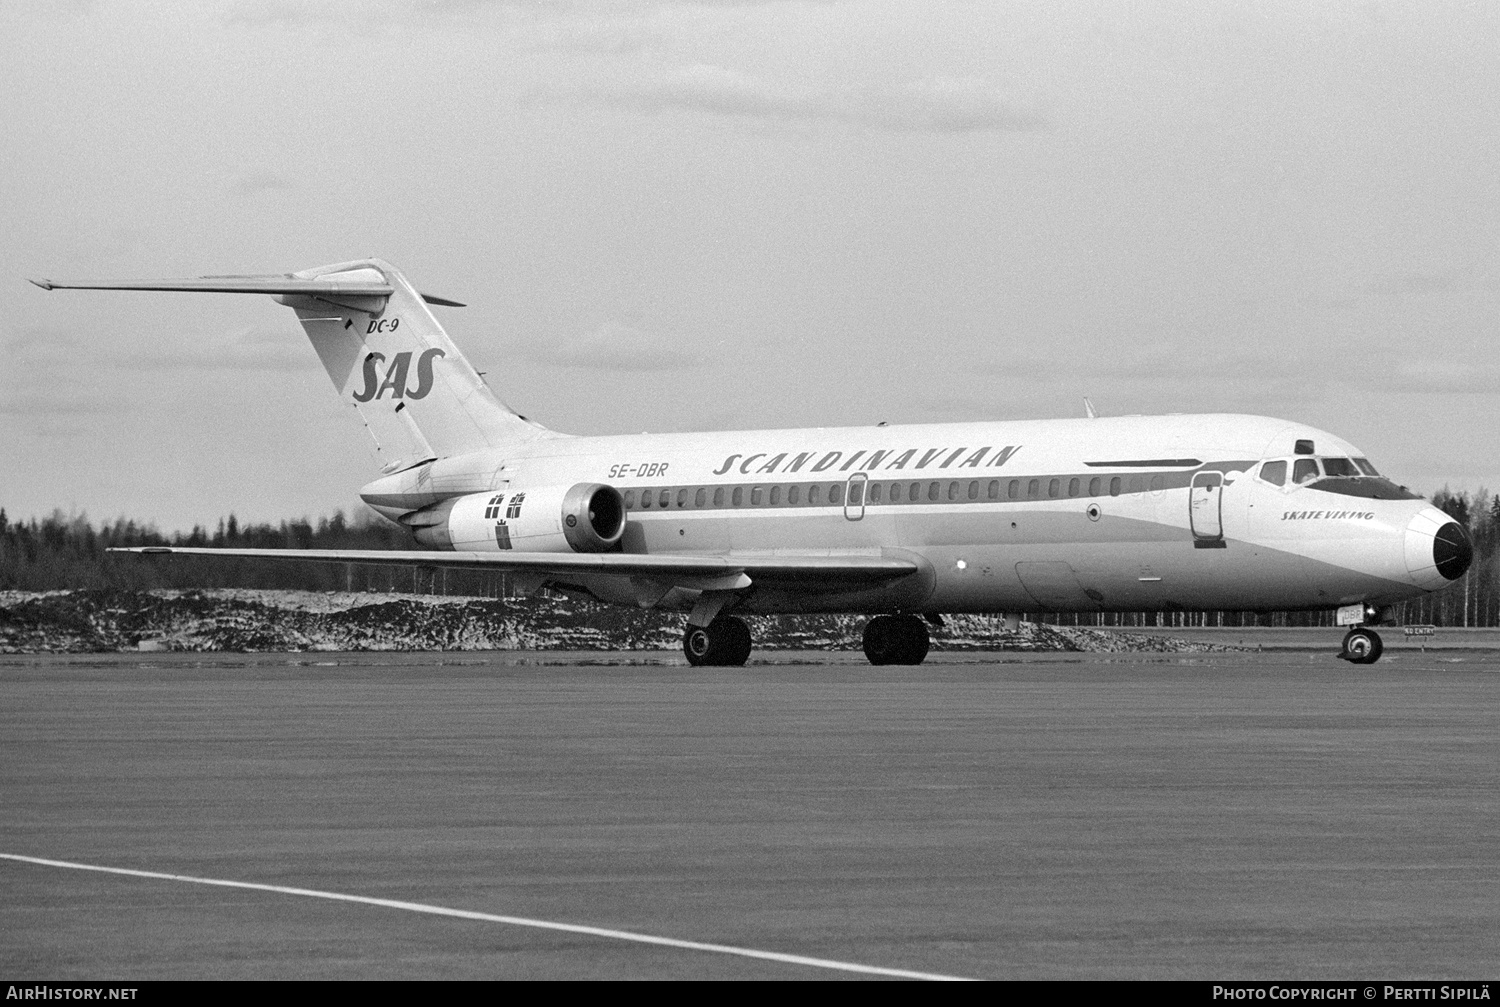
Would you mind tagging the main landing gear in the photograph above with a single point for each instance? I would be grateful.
(1362, 646)
(723, 643)
(896, 639)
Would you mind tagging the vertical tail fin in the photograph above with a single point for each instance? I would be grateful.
(390, 359)
(386, 353)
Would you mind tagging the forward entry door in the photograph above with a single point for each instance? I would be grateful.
(1206, 510)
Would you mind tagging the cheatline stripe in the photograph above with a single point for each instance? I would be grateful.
(519, 921)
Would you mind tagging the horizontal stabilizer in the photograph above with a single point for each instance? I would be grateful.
(271, 284)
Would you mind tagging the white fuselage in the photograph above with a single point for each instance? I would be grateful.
(1128, 513)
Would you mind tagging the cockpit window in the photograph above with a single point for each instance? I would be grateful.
(1274, 473)
(1354, 477)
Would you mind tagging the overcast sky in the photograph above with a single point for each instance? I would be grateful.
(678, 216)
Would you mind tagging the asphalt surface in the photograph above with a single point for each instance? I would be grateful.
(1277, 815)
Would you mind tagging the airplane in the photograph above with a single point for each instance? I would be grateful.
(898, 522)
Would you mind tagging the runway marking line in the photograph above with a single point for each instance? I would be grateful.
(519, 921)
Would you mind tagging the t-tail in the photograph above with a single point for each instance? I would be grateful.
(386, 353)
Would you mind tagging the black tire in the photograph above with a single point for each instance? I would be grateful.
(698, 645)
(915, 639)
(896, 639)
(1362, 646)
(732, 641)
(882, 640)
(724, 643)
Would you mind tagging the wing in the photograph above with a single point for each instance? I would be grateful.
(730, 572)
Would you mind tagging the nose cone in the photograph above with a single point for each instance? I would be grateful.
(1452, 552)
(1438, 550)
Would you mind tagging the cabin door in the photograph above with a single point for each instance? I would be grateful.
(1206, 509)
(854, 496)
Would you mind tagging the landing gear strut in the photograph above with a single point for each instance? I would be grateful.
(723, 643)
(896, 639)
(1362, 646)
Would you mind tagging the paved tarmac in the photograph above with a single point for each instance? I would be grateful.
(1397, 639)
(1278, 815)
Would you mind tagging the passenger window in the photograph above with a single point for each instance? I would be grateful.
(739, 496)
(1274, 473)
(1094, 486)
(775, 495)
(1157, 483)
(1034, 488)
(1014, 491)
(994, 489)
(794, 494)
(836, 493)
(629, 499)
(1052, 487)
(953, 491)
(757, 494)
(701, 497)
(682, 497)
(1305, 470)
(645, 499)
(1114, 486)
(1137, 484)
(933, 492)
(664, 498)
(855, 492)
(973, 491)
(874, 494)
(1072, 487)
(718, 496)
(915, 493)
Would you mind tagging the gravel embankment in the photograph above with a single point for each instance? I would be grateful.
(260, 621)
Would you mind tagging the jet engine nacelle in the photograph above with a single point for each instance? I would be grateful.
(586, 517)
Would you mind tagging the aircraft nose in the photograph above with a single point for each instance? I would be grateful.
(1452, 552)
(1438, 550)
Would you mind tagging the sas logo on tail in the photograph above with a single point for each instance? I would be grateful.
(395, 376)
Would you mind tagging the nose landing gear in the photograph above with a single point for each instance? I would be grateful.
(1362, 646)
(723, 643)
(896, 639)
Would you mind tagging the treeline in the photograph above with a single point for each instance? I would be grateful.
(68, 552)
(1474, 599)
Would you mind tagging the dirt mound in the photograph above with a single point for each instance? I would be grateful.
(259, 621)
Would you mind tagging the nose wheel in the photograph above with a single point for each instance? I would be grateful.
(896, 639)
(1362, 646)
(723, 643)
